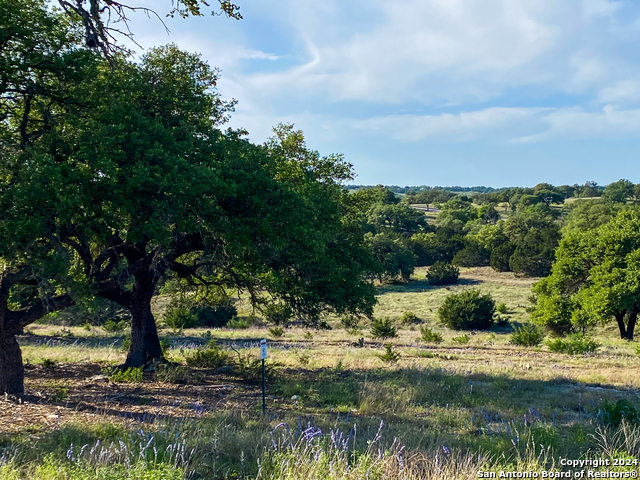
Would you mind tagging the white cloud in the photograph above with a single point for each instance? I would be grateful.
(622, 91)
(363, 64)
(519, 125)
(503, 123)
(450, 51)
(577, 124)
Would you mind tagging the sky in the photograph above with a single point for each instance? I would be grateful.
(433, 92)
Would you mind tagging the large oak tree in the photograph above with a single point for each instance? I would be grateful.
(123, 177)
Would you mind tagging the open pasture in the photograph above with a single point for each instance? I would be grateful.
(452, 409)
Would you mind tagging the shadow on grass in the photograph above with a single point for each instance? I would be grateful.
(416, 286)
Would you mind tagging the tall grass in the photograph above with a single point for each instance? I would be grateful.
(251, 447)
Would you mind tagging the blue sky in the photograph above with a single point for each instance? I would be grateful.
(434, 92)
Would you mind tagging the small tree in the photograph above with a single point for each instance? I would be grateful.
(383, 328)
(468, 310)
(395, 260)
(429, 336)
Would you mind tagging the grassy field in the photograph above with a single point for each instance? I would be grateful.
(335, 408)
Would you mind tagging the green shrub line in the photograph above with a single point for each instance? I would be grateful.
(574, 344)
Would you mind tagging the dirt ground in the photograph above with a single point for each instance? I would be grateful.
(80, 392)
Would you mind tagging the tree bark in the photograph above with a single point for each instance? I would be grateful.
(13, 321)
(11, 368)
(145, 344)
(631, 324)
(621, 326)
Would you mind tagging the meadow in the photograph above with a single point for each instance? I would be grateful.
(336, 406)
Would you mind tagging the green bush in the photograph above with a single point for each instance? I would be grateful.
(613, 413)
(239, 323)
(112, 326)
(441, 273)
(180, 316)
(276, 332)
(409, 318)
(351, 323)
(574, 344)
(502, 308)
(129, 375)
(468, 310)
(187, 313)
(218, 316)
(389, 355)
(429, 336)
(462, 339)
(249, 368)
(210, 357)
(529, 335)
(277, 314)
(383, 328)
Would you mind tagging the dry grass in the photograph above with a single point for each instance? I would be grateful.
(467, 397)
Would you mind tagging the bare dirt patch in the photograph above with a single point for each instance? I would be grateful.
(488, 274)
(70, 393)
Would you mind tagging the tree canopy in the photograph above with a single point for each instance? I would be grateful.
(595, 278)
(115, 178)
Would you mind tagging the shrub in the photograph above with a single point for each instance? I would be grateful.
(240, 323)
(574, 344)
(49, 364)
(613, 413)
(429, 336)
(276, 332)
(112, 326)
(350, 323)
(462, 339)
(277, 314)
(389, 355)
(210, 357)
(529, 335)
(441, 273)
(250, 368)
(218, 316)
(383, 328)
(180, 316)
(502, 308)
(532, 261)
(129, 375)
(468, 310)
(409, 318)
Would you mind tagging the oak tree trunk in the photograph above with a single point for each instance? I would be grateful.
(11, 368)
(631, 324)
(621, 326)
(145, 344)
